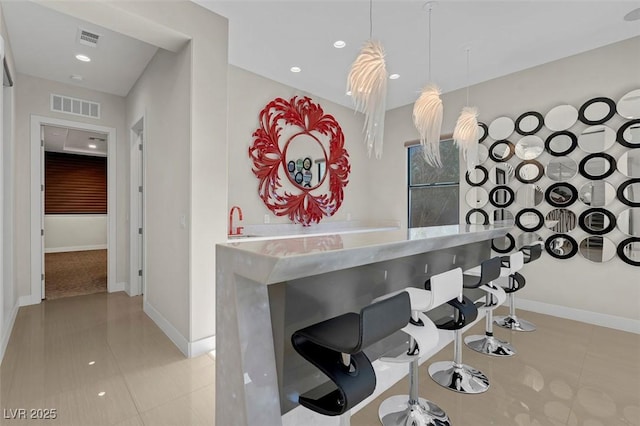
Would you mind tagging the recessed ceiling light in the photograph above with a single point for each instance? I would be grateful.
(348, 93)
(339, 44)
(92, 362)
(394, 76)
(102, 393)
(75, 77)
(295, 69)
(634, 15)
(83, 58)
(92, 145)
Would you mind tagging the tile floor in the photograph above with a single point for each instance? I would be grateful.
(64, 353)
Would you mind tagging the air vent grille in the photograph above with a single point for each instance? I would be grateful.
(88, 38)
(74, 106)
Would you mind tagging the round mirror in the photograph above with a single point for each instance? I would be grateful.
(561, 246)
(529, 195)
(503, 244)
(529, 220)
(477, 176)
(483, 132)
(561, 117)
(529, 171)
(561, 143)
(629, 163)
(303, 155)
(629, 251)
(629, 105)
(561, 194)
(597, 221)
(629, 222)
(527, 239)
(501, 217)
(483, 154)
(477, 217)
(560, 220)
(597, 111)
(501, 196)
(629, 134)
(598, 193)
(529, 123)
(529, 147)
(597, 249)
(629, 193)
(501, 128)
(477, 197)
(501, 151)
(561, 169)
(501, 174)
(596, 138)
(597, 166)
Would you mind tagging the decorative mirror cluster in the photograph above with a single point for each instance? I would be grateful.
(597, 221)
(529, 220)
(597, 111)
(561, 194)
(529, 171)
(597, 166)
(501, 196)
(502, 150)
(529, 123)
(561, 246)
(561, 143)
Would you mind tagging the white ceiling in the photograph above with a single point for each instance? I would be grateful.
(74, 141)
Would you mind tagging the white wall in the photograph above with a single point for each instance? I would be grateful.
(74, 232)
(603, 289)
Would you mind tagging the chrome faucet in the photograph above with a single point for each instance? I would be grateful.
(239, 229)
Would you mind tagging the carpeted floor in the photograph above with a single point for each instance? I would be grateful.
(75, 273)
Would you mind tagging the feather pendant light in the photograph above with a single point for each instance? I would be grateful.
(465, 135)
(427, 115)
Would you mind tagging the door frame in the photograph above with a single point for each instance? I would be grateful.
(136, 168)
(37, 207)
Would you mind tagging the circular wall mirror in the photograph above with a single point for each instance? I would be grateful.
(597, 193)
(560, 220)
(501, 174)
(597, 166)
(561, 143)
(527, 239)
(529, 147)
(629, 222)
(629, 192)
(597, 221)
(561, 246)
(629, 105)
(503, 244)
(629, 163)
(477, 217)
(561, 194)
(477, 197)
(483, 131)
(501, 217)
(529, 123)
(597, 249)
(501, 196)
(629, 251)
(597, 111)
(561, 169)
(501, 150)
(529, 195)
(529, 171)
(501, 128)
(561, 117)
(483, 154)
(529, 220)
(596, 138)
(477, 176)
(629, 134)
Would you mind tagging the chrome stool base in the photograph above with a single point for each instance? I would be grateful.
(514, 323)
(397, 411)
(458, 377)
(489, 345)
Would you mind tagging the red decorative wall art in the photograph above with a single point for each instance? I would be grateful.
(299, 158)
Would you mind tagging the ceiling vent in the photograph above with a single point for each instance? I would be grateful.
(87, 38)
(68, 105)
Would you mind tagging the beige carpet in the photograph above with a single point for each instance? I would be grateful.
(75, 273)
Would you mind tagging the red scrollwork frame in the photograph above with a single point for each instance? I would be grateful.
(301, 205)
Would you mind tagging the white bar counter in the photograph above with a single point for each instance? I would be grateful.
(266, 289)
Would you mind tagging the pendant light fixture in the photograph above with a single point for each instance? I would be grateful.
(427, 114)
(367, 83)
(465, 135)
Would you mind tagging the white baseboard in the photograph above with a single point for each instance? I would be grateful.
(29, 300)
(172, 333)
(75, 248)
(202, 346)
(6, 333)
(595, 318)
(118, 287)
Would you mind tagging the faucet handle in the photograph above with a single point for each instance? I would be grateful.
(239, 230)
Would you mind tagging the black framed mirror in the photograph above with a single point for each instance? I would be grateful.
(597, 193)
(501, 174)
(501, 128)
(561, 246)
(529, 195)
(501, 196)
(528, 239)
(503, 244)
(561, 169)
(529, 220)
(597, 111)
(629, 134)
(529, 123)
(501, 150)
(597, 249)
(477, 176)
(596, 138)
(629, 251)
(476, 217)
(529, 147)
(597, 166)
(561, 143)
(529, 171)
(629, 163)
(501, 217)
(560, 220)
(561, 194)
(629, 222)
(629, 192)
(483, 131)
(477, 197)
(597, 221)
(561, 117)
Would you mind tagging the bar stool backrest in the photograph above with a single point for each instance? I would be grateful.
(534, 251)
(445, 286)
(381, 319)
(516, 261)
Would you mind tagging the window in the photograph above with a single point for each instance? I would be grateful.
(433, 191)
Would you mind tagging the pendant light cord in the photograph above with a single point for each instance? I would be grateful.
(468, 52)
(370, 19)
(429, 42)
